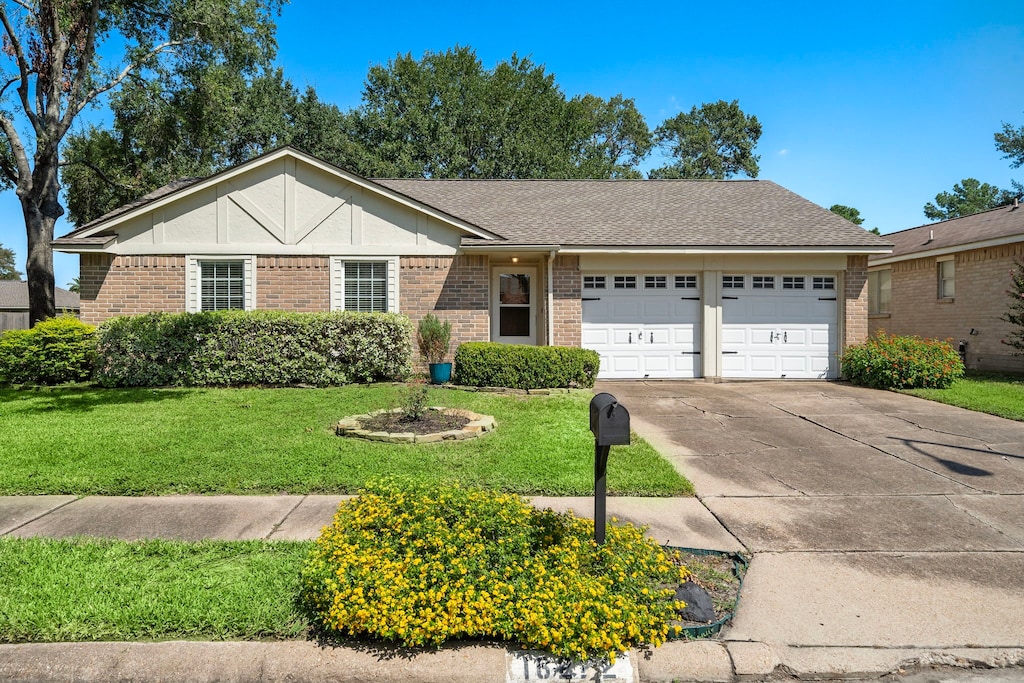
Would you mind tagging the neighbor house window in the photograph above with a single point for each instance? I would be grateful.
(947, 284)
(879, 291)
(366, 286)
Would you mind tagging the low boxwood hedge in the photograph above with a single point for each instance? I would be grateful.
(55, 351)
(233, 348)
(517, 366)
(887, 361)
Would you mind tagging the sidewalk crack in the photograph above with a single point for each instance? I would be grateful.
(285, 518)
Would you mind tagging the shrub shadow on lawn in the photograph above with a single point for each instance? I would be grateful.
(80, 398)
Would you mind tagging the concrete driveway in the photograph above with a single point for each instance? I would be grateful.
(885, 528)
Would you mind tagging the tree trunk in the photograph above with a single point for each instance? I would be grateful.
(41, 207)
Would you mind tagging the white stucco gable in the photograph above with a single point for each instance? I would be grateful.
(284, 203)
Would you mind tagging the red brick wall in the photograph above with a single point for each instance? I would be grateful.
(129, 285)
(568, 306)
(855, 301)
(981, 277)
(452, 288)
(293, 283)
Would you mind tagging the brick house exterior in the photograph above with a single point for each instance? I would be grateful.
(645, 272)
(978, 252)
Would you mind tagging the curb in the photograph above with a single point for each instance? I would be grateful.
(706, 661)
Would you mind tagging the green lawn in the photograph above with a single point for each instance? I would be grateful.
(84, 440)
(997, 394)
(75, 590)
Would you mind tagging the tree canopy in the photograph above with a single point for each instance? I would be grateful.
(51, 73)
(851, 214)
(447, 116)
(713, 141)
(968, 196)
(210, 121)
(7, 269)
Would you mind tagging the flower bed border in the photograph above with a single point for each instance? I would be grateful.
(477, 426)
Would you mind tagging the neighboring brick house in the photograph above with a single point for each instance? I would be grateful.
(14, 304)
(949, 280)
(664, 278)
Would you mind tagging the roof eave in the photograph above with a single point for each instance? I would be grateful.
(952, 249)
(717, 249)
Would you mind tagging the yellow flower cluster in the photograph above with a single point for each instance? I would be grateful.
(418, 567)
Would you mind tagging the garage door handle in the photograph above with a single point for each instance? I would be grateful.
(591, 298)
(690, 298)
(730, 297)
(771, 337)
(630, 337)
(826, 298)
(729, 353)
(697, 353)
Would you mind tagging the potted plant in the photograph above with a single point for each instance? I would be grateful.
(433, 337)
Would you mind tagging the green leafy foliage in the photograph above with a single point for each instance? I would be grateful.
(231, 348)
(892, 362)
(713, 141)
(433, 337)
(420, 566)
(1010, 141)
(447, 116)
(7, 269)
(969, 196)
(1015, 312)
(851, 214)
(519, 366)
(55, 351)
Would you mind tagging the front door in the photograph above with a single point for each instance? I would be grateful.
(514, 305)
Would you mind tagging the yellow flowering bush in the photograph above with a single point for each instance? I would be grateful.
(420, 566)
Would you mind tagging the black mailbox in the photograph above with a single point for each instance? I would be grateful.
(609, 421)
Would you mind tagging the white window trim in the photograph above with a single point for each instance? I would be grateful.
(193, 298)
(939, 279)
(338, 280)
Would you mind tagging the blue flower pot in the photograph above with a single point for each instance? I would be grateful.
(440, 373)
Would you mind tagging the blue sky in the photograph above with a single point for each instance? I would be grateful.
(878, 106)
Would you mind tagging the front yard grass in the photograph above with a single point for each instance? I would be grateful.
(993, 393)
(85, 440)
(94, 589)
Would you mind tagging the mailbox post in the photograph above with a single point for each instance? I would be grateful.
(609, 422)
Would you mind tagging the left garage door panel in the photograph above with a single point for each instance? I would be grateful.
(642, 332)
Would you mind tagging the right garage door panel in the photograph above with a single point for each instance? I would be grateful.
(779, 326)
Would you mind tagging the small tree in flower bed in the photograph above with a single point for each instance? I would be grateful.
(890, 362)
(1015, 315)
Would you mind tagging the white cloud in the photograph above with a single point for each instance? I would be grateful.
(783, 152)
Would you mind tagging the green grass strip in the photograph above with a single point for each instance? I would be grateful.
(128, 442)
(92, 589)
(996, 394)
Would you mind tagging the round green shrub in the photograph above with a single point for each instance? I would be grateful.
(892, 362)
(55, 351)
(418, 566)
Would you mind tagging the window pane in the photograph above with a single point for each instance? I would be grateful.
(366, 286)
(222, 285)
(514, 288)
(514, 321)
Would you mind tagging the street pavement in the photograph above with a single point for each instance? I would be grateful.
(886, 534)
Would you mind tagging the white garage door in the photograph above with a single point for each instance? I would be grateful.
(782, 326)
(643, 325)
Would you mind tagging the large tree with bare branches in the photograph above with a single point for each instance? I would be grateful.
(64, 55)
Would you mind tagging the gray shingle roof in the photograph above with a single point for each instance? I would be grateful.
(14, 296)
(670, 213)
(1005, 221)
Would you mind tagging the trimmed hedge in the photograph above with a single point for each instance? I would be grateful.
(516, 366)
(55, 351)
(232, 348)
(891, 362)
